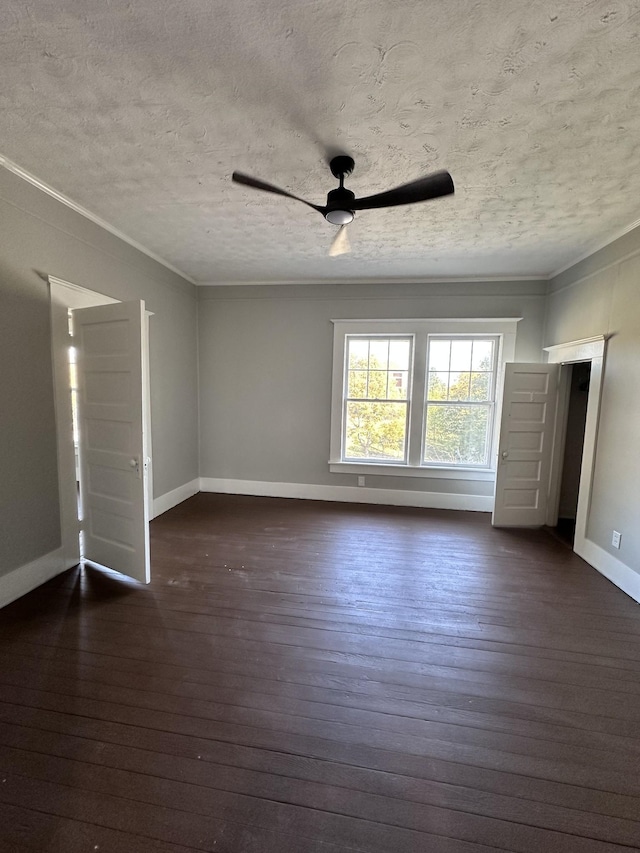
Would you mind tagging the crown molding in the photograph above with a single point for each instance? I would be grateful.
(386, 280)
(583, 257)
(12, 167)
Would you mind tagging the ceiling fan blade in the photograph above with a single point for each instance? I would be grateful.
(248, 181)
(340, 245)
(431, 186)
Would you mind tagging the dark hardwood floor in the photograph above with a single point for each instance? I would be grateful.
(308, 677)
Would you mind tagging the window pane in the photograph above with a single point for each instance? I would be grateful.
(482, 355)
(439, 354)
(377, 389)
(376, 431)
(438, 386)
(457, 435)
(398, 384)
(358, 353)
(480, 386)
(460, 355)
(458, 386)
(378, 354)
(399, 352)
(357, 383)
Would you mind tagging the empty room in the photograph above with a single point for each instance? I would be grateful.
(318, 426)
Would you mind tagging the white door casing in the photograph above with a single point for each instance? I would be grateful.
(111, 414)
(525, 445)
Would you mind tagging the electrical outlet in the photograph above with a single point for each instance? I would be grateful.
(361, 480)
(615, 539)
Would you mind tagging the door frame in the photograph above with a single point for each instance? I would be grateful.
(64, 296)
(592, 350)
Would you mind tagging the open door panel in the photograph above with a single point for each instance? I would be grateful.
(526, 443)
(113, 482)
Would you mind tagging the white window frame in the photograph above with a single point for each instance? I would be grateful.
(503, 328)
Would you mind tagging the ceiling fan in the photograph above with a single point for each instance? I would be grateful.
(342, 204)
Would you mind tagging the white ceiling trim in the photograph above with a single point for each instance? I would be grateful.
(387, 280)
(616, 236)
(12, 167)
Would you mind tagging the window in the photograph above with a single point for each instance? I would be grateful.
(460, 400)
(376, 400)
(417, 397)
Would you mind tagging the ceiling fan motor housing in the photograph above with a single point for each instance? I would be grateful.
(339, 210)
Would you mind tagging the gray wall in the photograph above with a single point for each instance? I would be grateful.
(266, 365)
(39, 233)
(601, 295)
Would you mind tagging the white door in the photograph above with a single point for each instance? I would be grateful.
(526, 443)
(111, 413)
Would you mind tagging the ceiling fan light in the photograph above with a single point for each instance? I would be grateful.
(339, 217)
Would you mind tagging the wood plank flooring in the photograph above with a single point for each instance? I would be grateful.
(321, 678)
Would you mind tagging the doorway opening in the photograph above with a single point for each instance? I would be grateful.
(578, 380)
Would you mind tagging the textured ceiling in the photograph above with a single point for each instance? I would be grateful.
(140, 111)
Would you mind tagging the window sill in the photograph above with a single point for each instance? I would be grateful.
(392, 470)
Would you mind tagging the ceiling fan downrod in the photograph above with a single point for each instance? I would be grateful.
(339, 201)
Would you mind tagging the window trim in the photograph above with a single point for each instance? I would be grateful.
(504, 328)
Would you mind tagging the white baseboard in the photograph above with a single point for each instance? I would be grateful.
(611, 567)
(175, 497)
(22, 580)
(348, 494)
